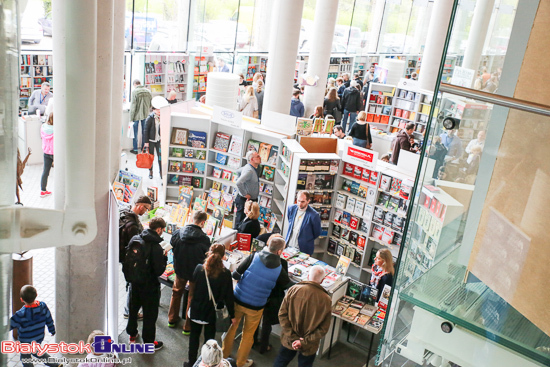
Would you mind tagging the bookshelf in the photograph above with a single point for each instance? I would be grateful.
(155, 74)
(185, 164)
(255, 64)
(35, 69)
(379, 105)
(177, 75)
(361, 65)
(201, 66)
(339, 66)
(313, 172)
(288, 148)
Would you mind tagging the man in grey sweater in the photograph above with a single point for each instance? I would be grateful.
(248, 185)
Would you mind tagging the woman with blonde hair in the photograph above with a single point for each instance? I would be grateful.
(259, 93)
(332, 105)
(256, 78)
(250, 224)
(382, 271)
(249, 103)
(360, 131)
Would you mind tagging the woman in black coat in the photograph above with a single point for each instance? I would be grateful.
(332, 105)
(151, 137)
(250, 224)
(202, 312)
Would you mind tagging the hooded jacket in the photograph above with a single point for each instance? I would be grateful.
(190, 245)
(296, 108)
(351, 100)
(157, 259)
(141, 103)
(305, 313)
(402, 141)
(132, 227)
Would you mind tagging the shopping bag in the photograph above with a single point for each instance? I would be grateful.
(145, 160)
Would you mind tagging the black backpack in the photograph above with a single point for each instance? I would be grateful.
(125, 223)
(137, 262)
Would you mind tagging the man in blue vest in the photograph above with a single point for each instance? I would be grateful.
(305, 224)
(257, 275)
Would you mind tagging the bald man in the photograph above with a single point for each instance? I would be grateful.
(305, 319)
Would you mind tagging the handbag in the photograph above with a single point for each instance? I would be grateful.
(223, 322)
(145, 160)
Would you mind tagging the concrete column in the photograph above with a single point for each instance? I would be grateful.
(117, 87)
(437, 31)
(81, 271)
(376, 25)
(478, 31)
(321, 46)
(283, 48)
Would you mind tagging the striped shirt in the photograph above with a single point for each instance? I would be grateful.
(30, 321)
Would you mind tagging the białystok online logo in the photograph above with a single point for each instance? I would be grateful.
(102, 344)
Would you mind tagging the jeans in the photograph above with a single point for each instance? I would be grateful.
(251, 321)
(152, 147)
(285, 356)
(360, 142)
(44, 358)
(177, 292)
(148, 298)
(136, 126)
(352, 117)
(194, 338)
(48, 161)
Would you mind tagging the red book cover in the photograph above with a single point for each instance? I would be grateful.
(353, 222)
(244, 240)
(373, 177)
(361, 242)
(433, 205)
(357, 172)
(438, 209)
(370, 117)
(398, 112)
(366, 175)
(384, 119)
(427, 201)
(443, 210)
(348, 169)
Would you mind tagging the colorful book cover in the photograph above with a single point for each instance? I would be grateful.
(187, 167)
(343, 265)
(236, 145)
(268, 173)
(197, 182)
(226, 175)
(318, 125)
(234, 162)
(253, 145)
(199, 168)
(200, 204)
(265, 149)
(221, 159)
(118, 189)
(200, 154)
(221, 142)
(329, 126)
(196, 139)
(152, 193)
(177, 152)
(211, 226)
(189, 153)
(244, 241)
(304, 127)
(373, 177)
(395, 186)
(272, 159)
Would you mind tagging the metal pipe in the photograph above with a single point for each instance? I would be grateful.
(509, 102)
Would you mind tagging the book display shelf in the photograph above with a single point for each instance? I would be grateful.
(316, 173)
(201, 66)
(413, 65)
(155, 74)
(361, 66)
(379, 105)
(339, 66)
(433, 231)
(370, 213)
(255, 64)
(186, 161)
(473, 116)
(35, 70)
(177, 75)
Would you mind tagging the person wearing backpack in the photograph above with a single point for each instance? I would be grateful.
(128, 227)
(145, 261)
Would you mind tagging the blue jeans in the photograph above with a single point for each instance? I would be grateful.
(352, 118)
(136, 126)
(285, 356)
(360, 142)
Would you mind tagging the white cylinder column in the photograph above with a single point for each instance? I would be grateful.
(222, 90)
(117, 87)
(478, 31)
(321, 47)
(283, 48)
(437, 31)
(263, 11)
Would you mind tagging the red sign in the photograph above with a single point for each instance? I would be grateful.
(360, 157)
(356, 153)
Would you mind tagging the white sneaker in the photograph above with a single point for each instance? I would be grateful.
(249, 362)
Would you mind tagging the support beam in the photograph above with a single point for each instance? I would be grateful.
(478, 32)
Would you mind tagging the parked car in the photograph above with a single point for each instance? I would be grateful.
(46, 23)
(31, 31)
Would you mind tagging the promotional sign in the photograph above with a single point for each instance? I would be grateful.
(360, 157)
(463, 77)
(227, 117)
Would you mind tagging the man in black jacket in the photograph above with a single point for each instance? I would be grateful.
(130, 226)
(147, 294)
(351, 103)
(190, 245)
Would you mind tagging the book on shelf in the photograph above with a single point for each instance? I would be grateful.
(199, 204)
(383, 199)
(272, 158)
(118, 189)
(268, 173)
(236, 145)
(196, 139)
(371, 195)
(343, 265)
(200, 154)
(395, 186)
(264, 151)
(221, 159)
(221, 142)
(339, 249)
(385, 182)
(364, 226)
(393, 203)
(304, 127)
(199, 168)
(340, 201)
(176, 152)
(403, 207)
(226, 175)
(234, 162)
(197, 182)
(211, 226)
(253, 145)
(216, 172)
(387, 236)
(378, 215)
(350, 205)
(187, 167)
(152, 193)
(388, 219)
(359, 208)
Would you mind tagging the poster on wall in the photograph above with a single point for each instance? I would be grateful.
(380, 75)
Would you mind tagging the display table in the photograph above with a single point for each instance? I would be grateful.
(339, 319)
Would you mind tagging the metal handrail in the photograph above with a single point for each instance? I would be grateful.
(517, 104)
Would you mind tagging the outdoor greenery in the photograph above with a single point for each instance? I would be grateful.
(47, 6)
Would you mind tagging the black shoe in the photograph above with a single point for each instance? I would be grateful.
(158, 345)
(151, 176)
(134, 151)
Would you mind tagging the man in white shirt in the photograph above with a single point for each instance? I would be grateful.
(305, 224)
(480, 141)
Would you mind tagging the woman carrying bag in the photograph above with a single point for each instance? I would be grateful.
(151, 133)
(214, 276)
(249, 103)
(360, 131)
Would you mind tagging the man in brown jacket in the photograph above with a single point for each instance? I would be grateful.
(305, 319)
(402, 142)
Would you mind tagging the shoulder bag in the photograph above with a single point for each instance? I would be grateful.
(223, 322)
(145, 160)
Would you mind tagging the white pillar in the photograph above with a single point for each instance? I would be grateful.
(437, 31)
(81, 271)
(117, 87)
(263, 13)
(374, 38)
(478, 31)
(283, 48)
(321, 47)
